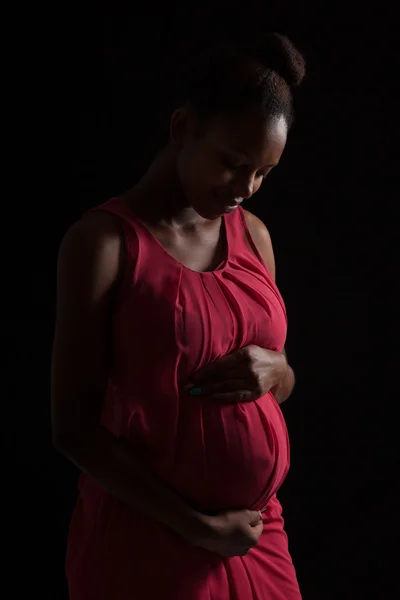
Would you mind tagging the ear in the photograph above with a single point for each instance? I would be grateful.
(181, 126)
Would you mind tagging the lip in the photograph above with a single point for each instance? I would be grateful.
(235, 202)
(230, 208)
(227, 208)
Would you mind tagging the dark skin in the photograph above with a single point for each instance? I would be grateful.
(181, 200)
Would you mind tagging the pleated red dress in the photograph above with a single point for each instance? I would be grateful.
(169, 322)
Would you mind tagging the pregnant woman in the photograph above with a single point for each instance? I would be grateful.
(168, 362)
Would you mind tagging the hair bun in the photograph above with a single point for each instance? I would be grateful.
(278, 53)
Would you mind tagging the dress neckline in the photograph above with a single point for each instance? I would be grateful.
(223, 231)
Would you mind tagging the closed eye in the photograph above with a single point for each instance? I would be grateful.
(264, 175)
(228, 164)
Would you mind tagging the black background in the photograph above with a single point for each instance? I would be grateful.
(89, 83)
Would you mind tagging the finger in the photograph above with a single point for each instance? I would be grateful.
(240, 373)
(218, 387)
(233, 397)
(257, 531)
(223, 364)
(254, 517)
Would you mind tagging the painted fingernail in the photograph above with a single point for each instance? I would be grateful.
(194, 391)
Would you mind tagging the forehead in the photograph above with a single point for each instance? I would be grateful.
(250, 134)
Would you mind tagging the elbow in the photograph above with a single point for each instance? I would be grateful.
(61, 442)
(75, 444)
(71, 448)
(67, 443)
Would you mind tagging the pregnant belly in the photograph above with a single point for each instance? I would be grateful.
(226, 457)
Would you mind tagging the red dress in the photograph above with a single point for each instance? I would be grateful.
(169, 322)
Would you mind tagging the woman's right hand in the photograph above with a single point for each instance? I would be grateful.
(231, 533)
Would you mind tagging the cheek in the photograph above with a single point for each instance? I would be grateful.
(216, 176)
(257, 184)
(200, 172)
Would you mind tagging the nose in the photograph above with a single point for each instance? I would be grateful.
(245, 187)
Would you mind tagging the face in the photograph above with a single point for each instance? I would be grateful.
(228, 162)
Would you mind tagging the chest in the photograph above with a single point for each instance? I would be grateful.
(200, 249)
(175, 311)
(179, 319)
(227, 311)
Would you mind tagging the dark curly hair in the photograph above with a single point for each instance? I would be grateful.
(228, 79)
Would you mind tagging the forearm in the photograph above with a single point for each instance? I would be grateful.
(115, 468)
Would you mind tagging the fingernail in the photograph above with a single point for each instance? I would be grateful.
(194, 391)
(189, 386)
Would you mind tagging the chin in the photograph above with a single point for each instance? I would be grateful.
(210, 212)
(209, 216)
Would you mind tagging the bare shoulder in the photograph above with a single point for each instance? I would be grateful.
(262, 240)
(91, 260)
(257, 228)
(94, 229)
(94, 239)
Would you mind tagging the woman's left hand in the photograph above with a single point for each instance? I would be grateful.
(242, 376)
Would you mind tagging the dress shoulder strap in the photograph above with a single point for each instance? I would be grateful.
(130, 232)
(241, 241)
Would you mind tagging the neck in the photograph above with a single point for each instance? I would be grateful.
(158, 197)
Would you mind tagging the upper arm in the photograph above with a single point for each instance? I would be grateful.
(89, 267)
(262, 240)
